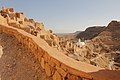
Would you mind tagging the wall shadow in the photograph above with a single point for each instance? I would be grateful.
(106, 74)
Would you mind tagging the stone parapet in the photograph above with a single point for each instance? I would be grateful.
(56, 65)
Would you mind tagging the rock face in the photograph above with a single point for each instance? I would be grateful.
(111, 38)
(112, 34)
(90, 32)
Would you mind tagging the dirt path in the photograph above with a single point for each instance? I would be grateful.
(16, 62)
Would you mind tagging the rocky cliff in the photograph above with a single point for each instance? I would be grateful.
(111, 38)
(90, 32)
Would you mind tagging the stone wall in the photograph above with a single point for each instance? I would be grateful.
(3, 21)
(52, 67)
(56, 65)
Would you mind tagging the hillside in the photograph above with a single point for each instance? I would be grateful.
(111, 37)
(90, 32)
(104, 49)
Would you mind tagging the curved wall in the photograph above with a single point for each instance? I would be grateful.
(56, 65)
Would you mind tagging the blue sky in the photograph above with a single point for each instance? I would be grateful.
(67, 15)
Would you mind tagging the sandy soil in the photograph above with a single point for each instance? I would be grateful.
(16, 62)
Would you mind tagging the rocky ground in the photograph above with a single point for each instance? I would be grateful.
(16, 62)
